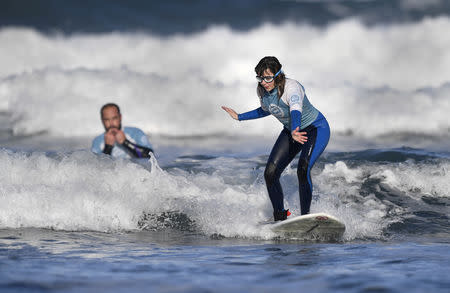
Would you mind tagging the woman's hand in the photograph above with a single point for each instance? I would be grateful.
(232, 113)
(298, 136)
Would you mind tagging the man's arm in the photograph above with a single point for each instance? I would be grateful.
(141, 150)
(109, 141)
(99, 147)
(108, 149)
(137, 150)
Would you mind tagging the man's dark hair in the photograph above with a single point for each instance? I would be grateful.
(107, 106)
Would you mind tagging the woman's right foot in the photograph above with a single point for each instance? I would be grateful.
(281, 215)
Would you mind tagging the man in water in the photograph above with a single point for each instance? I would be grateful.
(130, 142)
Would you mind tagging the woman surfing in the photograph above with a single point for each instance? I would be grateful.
(305, 131)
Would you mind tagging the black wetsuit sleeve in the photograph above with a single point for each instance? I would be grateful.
(108, 149)
(137, 150)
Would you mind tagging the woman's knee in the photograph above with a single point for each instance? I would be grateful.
(271, 173)
(302, 170)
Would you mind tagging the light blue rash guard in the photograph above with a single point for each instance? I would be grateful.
(292, 109)
(133, 134)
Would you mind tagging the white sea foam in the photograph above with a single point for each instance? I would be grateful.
(358, 206)
(66, 103)
(82, 191)
(402, 56)
(368, 81)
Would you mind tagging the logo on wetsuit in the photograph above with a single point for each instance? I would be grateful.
(275, 110)
(294, 99)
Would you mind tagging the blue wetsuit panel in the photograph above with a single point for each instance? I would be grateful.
(285, 150)
(254, 114)
(296, 118)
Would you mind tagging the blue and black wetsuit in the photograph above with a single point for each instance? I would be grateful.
(293, 110)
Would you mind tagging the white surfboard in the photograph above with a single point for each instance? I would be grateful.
(319, 226)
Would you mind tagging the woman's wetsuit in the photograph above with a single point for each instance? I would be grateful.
(293, 110)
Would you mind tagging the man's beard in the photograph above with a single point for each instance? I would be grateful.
(113, 127)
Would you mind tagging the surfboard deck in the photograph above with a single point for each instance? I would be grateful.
(319, 226)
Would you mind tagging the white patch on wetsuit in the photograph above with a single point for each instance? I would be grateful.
(309, 113)
(281, 107)
(294, 103)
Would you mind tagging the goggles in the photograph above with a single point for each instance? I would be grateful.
(267, 79)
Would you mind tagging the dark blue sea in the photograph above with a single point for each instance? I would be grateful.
(189, 220)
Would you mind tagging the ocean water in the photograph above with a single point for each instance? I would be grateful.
(189, 219)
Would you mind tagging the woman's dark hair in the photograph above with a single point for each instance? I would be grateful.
(271, 63)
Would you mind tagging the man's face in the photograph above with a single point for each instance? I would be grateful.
(111, 118)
